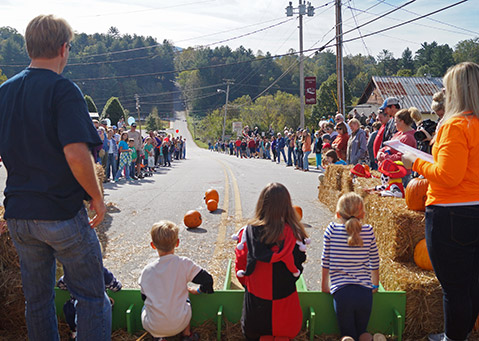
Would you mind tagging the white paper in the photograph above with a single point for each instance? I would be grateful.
(404, 148)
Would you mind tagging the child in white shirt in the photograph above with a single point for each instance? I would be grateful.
(164, 286)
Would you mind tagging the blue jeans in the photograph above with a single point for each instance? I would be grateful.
(75, 244)
(110, 166)
(305, 160)
(353, 304)
(299, 158)
(318, 160)
(278, 152)
(290, 158)
(452, 237)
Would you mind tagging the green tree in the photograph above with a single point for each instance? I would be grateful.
(404, 73)
(438, 57)
(3, 78)
(407, 61)
(91, 104)
(113, 110)
(327, 97)
(153, 121)
(387, 65)
(467, 51)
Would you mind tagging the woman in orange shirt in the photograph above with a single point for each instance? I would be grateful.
(452, 206)
(340, 143)
(306, 149)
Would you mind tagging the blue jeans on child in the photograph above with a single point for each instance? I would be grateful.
(452, 237)
(75, 244)
(353, 304)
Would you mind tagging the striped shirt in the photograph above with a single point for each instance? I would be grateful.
(349, 264)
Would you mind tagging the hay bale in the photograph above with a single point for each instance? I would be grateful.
(397, 228)
(333, 177)
(346, 179)
(12, 314)
(424, 314)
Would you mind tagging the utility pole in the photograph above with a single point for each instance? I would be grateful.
(228, 83)
(339, 59)
(302, 8)
(137, 99)
(301, 11)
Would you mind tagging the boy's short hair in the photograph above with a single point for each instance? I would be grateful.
(131, 140)
(164, 235)
(45, 34)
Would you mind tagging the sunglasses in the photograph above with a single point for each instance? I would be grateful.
(69, 45)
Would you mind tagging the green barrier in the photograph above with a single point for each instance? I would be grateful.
(387, 316)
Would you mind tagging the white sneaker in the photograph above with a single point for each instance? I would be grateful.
(379, 337)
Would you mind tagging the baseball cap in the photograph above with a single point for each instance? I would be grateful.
(389, 101)
(133, 124)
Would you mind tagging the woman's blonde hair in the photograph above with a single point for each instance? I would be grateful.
(273, 210)
(350, 207)
(462, 90)
(45, 34)
(408, 116)
(438, 101)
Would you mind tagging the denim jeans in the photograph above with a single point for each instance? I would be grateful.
(280, 151)
(305, 160)
(75, 244)
(110, 166)
(299, 158)
(290, 158)
(452, 237)
(318, 160)
(353, 304)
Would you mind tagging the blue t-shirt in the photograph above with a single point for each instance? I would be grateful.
(40, 113)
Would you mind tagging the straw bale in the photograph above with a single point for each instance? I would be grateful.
(397, 228)
(360, 184)
(346, 179)
(333, 177)
(424, 312)
(12, 313)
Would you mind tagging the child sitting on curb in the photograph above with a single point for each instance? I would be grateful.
(164, 286)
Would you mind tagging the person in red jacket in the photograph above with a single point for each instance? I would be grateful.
(383, 118)
(271, 303)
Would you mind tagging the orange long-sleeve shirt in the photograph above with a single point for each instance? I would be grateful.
(454, 175)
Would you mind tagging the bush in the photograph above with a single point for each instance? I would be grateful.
(91, 105)
(113, 110)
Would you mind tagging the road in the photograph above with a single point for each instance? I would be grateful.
(134, 207)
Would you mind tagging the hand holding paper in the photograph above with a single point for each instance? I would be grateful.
(404, 148)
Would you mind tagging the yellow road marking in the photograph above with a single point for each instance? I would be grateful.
(221, 236)
(238, 209)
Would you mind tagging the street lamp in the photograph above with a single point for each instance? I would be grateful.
(301, 10)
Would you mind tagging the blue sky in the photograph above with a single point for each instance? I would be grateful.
(202, 22)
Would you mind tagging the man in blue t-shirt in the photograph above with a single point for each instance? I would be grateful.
(45, 139)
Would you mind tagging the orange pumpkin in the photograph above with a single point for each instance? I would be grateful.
(212, 205)
(416, 194)
(192, 219)
(299, 211)
(211, 194)
(421, 256)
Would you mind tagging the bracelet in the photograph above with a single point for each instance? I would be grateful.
(375, 286)
(198, 290)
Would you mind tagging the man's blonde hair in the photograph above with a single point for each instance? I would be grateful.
(45, 34)
(164, 235)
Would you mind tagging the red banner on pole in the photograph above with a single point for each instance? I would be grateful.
(310, 90)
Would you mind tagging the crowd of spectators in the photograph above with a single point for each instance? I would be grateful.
(352, 140)
(128, 155)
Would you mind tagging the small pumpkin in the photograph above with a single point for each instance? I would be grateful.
(421, 256)
(192, 219)
(415, 194)
(299, 211)
(212, 205)
(211, 194)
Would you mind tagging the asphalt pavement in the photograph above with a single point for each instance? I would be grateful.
(172, 191)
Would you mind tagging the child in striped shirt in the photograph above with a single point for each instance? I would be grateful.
(350, 260)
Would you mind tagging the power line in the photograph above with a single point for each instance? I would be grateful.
(438, 21)
(144, 10)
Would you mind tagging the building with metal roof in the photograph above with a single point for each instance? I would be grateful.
(411, 92)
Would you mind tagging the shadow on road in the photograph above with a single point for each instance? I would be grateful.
(197, 230)
(218, 211)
